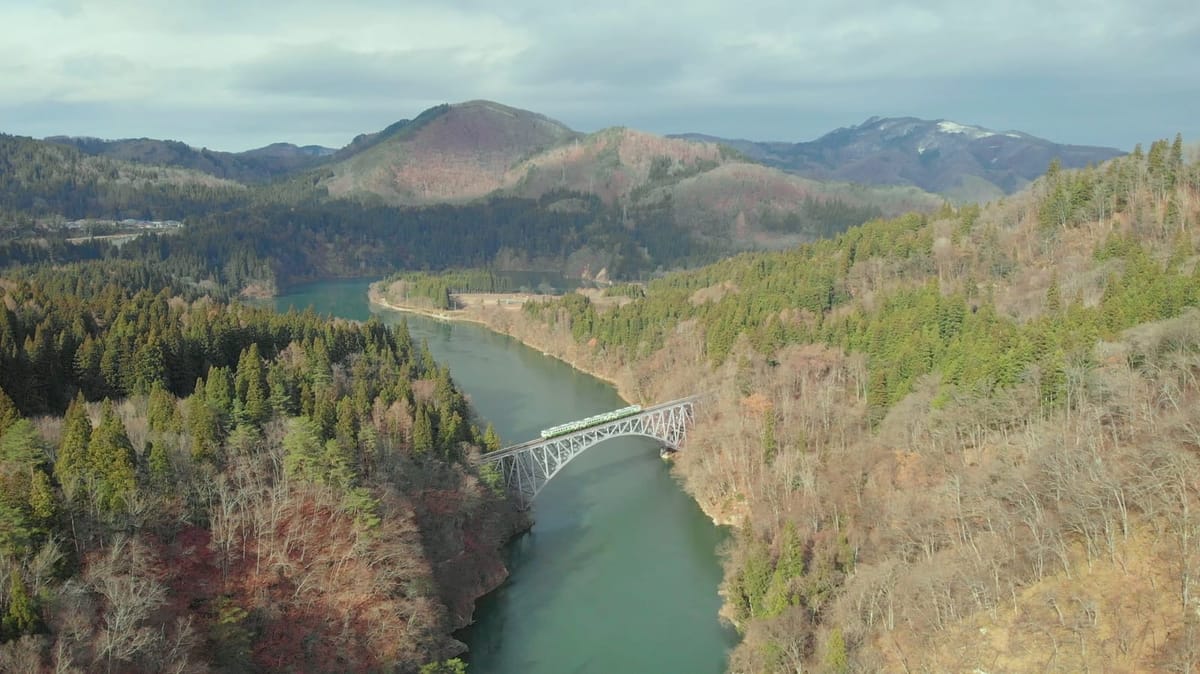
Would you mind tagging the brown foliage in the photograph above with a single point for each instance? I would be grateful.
(969, 529)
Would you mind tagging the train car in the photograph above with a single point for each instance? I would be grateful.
(563, 429)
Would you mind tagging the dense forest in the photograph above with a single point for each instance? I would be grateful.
(260, 238)
(956, 441)
(39, 179)
(264, 237)
(258, 165)
(346, 238)
(191, 485)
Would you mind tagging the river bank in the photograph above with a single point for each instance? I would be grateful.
(613, 533)
(632, 386)
(504, 317)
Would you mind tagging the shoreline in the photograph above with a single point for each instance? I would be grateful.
(465, 316)
(714, 512)
(477, 315)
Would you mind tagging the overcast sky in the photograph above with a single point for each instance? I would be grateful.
(232, 75)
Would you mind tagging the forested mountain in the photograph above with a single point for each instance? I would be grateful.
(448, 153)
(460, 154)
(258, 238)
(252, 166)
(657, 188)
(963, 162)
(192, 486)
(266, 246)
(456, 153)
(955, 442)
(40, 179)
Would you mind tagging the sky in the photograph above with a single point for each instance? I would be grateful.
(233, 75)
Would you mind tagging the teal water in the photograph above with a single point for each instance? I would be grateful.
(619, 573)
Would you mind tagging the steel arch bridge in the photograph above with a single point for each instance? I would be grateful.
(527, 467)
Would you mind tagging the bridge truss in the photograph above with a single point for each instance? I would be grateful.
(527, 467)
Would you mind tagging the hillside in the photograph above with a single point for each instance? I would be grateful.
(618, 200)
(252, 166)
(708, 190)
(661, 202)
(192, 486)
(961, 442)
(41, 179)
(449, 153)
(963, 162)
(461, 152)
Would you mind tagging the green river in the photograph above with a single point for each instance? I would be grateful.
(620, 572)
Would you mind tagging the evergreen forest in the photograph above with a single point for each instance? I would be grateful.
(189, 484)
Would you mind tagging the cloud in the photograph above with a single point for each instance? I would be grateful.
(330, 71)
(1107, 72)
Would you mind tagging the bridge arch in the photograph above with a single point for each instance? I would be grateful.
(527, 467)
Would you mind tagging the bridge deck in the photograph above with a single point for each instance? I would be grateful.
(518, 448)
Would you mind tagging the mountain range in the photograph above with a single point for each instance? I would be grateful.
(257, 165)
(468, 150)
(461, 153)
(960, 161)
(697, 196)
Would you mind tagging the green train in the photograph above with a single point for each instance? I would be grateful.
(562, 429)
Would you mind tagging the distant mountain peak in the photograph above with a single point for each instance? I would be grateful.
(255, 165)
(947, 126)
(966, 162)
(450, 152)
(972, 131)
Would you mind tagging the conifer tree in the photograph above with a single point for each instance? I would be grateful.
(755, 580)
(450, 429)
(162, 413)
(422, 432)
(251, 385)
(8, 412)
(1053, 297)
(491, 440)
(218, 391)
(769, 444)
(836, 659)
(149, 366)
(159, 465)
(203, 425)
(41, 498)
(281, 398)
(71, 464)
(339, 468)
(114, 364)
(302, 458)
(320, 370)
(345, 427)
(87, 368)
(111, 461)
(324, 412)
(20, 618)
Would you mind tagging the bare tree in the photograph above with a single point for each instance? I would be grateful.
(125, 579)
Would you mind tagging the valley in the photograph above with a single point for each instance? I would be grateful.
(944, 435)
(612, 533)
